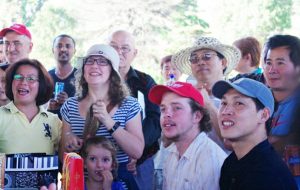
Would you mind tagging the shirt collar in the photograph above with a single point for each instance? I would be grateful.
(132, 74)
(13, 109)
(190, 151)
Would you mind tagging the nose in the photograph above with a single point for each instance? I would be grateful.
(10, 47)
(226, 110)
(166, 113)
(99, 164)
(63, 48)
(272, 69)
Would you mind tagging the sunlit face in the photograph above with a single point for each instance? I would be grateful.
(238, 117)
(3, 97)
(98, 160)
(63, 50)
(97, 69)
(279, 71)
(25, 87)
(1, 54)
(123, 43)
(177, 120)
(16, 47)
(168, 69)
(208, 67)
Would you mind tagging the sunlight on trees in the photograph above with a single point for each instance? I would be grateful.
(160, 27)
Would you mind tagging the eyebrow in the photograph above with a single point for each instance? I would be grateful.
(277, 59)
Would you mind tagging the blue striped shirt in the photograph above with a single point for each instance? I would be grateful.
(128, 110)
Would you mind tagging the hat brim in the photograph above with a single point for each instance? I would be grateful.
(231, 54)
(221, 87)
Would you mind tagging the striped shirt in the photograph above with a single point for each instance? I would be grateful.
(128, 110)
(197, 169)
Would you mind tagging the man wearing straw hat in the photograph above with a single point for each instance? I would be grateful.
(208, 61)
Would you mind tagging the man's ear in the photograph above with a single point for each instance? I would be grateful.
(224, 63)
(265, 115)
(198, 116)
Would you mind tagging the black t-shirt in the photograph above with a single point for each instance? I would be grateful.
(260, 169)
(69, 86)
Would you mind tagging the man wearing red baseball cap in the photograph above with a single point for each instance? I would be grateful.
(193, 161)
(17, 42)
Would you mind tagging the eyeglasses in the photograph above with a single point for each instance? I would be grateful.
(16, 44)
(99, 61)
(203, 57)
(29, 79)
(124, 49)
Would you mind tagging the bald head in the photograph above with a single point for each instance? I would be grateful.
(124, 44)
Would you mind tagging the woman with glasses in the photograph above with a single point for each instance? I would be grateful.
(102, 106)
(25, 125)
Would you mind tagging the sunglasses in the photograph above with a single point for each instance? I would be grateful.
(203, 57)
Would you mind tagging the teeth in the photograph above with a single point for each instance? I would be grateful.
(227, 123)
(23, 91)
(94, 74)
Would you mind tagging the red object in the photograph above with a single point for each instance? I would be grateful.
(181, 88)
(292, 158)
(18, 28)
(73, 175)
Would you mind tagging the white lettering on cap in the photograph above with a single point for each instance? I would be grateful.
(176, 85)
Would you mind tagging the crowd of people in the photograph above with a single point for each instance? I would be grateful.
(210, 131)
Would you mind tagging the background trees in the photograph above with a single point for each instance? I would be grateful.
(160, 27)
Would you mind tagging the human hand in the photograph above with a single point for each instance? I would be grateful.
(107, 179)
(72, 142)
(100, 112)
(52, 186)
(53, 105)
(131, 166)
(61, 97)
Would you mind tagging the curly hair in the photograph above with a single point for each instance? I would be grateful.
(205, 123)
(117, 88)
(46, 85)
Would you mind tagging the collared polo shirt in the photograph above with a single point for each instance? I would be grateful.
(18, 135)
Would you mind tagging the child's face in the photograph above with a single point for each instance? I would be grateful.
(98, 160)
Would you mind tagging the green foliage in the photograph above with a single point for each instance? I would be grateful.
(280, 15)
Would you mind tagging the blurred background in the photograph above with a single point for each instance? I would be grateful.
(161, 27)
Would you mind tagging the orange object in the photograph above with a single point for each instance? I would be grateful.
(2, 169)
(73, 175)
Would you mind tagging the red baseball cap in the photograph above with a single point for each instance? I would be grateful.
(181, 88)
(18, 28)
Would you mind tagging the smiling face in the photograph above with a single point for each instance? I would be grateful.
(63, 50)
(98, 160)
(279, 71)
(177, 120)
(97, 69)
(24, 90)
(239, 118)
(16, 47)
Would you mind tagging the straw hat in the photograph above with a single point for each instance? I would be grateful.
(231, 54)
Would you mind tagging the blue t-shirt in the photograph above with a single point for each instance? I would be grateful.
(116, 185)
(282, 117)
